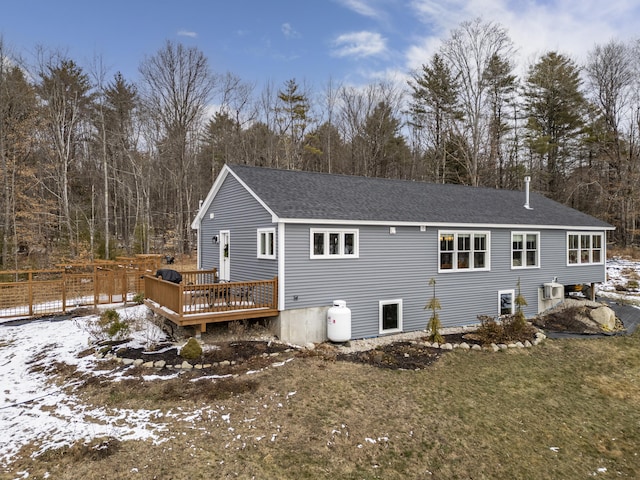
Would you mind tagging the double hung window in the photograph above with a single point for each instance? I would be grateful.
(585, 248)
(463, 251)
(525, 249)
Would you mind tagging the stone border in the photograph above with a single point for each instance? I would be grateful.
(539, 337)
(185, 365)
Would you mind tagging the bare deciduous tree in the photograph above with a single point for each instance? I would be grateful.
(177, 86)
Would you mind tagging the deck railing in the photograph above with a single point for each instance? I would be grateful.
(199, 294)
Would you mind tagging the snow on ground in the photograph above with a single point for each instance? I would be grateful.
(32, 409)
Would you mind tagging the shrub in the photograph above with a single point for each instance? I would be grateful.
(191, 349)
(510, 328)
(434, 325)
(109, 326)
(115, 328)
(138, 298)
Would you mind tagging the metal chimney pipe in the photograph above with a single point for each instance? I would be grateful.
(527, 180)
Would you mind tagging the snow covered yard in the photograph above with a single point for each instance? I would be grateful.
(36, 410)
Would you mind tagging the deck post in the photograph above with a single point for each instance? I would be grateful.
(30, 292)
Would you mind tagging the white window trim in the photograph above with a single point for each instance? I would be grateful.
(381, 303)
(267, 232)
(524, 250)
(454, 267)
(326, 232)
(511, 292)
(603, 252)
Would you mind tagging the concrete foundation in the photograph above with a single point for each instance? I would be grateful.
(302, 325)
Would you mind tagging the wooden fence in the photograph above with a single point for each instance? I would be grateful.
(42, 292)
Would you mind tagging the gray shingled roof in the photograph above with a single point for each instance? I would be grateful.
(294, 194)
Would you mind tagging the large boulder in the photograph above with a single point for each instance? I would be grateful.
(604, 316)
(579, 316)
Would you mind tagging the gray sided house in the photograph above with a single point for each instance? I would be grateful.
(375, 243)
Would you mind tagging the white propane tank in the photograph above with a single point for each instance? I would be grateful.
(339, 322)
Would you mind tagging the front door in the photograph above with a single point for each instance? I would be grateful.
(225, 255)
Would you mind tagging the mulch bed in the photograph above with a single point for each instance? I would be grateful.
(237, 356)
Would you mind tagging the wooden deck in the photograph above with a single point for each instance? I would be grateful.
(199, 299)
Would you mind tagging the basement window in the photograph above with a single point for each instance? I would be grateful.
(390, 316)
(585, 248)
(505, 302)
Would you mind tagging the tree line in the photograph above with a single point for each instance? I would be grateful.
(94, 165)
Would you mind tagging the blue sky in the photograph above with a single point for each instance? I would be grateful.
(350, 41)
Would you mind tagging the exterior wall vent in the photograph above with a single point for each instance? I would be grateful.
(527, 180)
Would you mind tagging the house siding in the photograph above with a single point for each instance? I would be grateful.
(236, 210)
(399, 266)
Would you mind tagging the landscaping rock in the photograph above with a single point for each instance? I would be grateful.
(604, 316)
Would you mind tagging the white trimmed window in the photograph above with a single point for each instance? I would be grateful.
(390, 315)
(462, 251)
(266, 243)
(585, 248)
(333, 243)
(525, 249)
(506, 303)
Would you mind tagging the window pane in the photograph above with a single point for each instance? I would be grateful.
(348, 243)
(270, 243)
(334, 244)
(480, 242)
(390, 318)
(517, 259)
(478, 260)
(263, 247)
(585, 241)
(464, 242)
(463, 260)
(584, 256)
(531, 258)
(446, 261)
(446, 242)
(573, 256)
(517, 242)
(532, 242)
(318, 243)
(597, 241)
(595, 257)
(573, 242)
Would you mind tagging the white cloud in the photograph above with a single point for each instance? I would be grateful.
(571, 27)
(359, 44)
(288, 31)
(187, 33)
(362, 7)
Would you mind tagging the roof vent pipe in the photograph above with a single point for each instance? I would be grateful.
(527, 180)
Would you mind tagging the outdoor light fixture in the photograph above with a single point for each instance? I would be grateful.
(215, 239)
